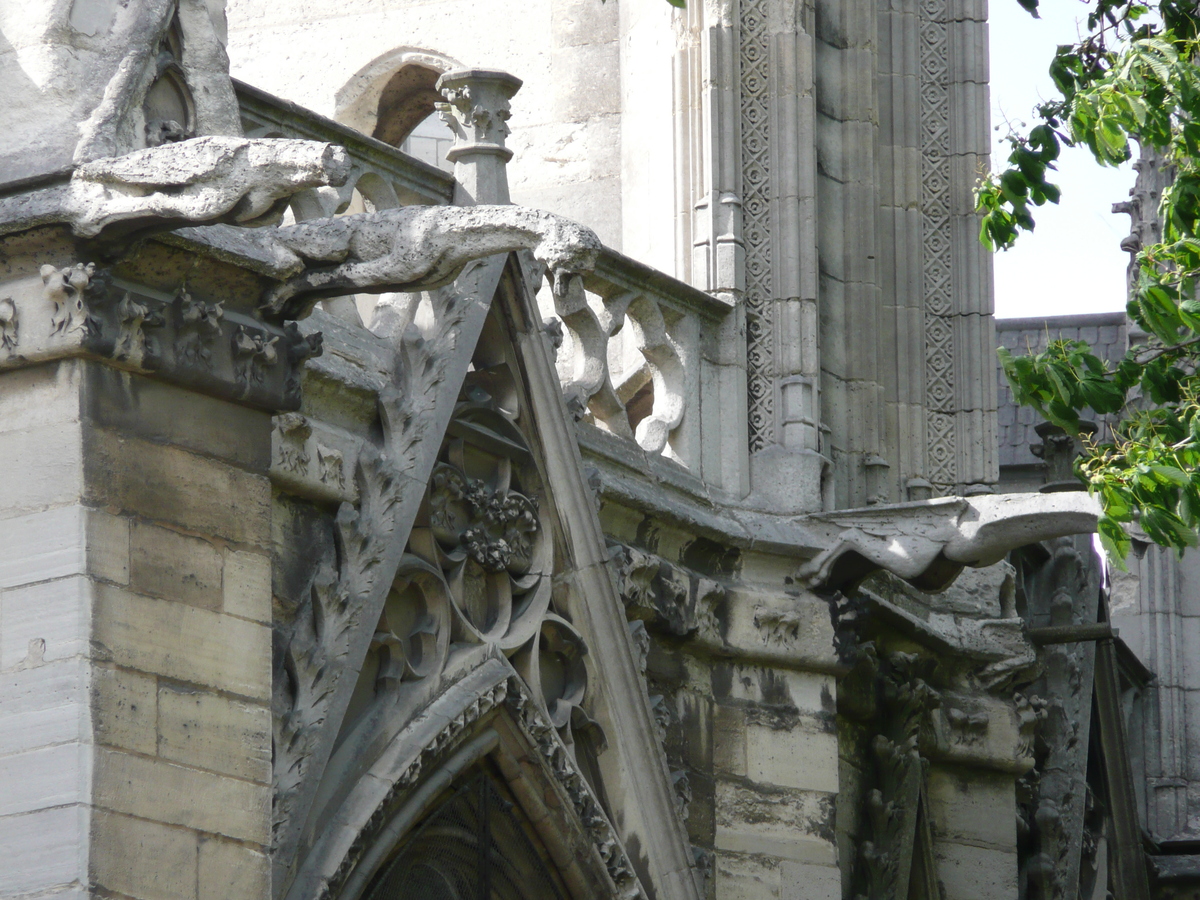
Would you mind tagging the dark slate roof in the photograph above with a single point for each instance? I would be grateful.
(1104, 331)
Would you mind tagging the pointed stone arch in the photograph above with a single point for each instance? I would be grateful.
(542, 619)
(393, 93)
(487, 720)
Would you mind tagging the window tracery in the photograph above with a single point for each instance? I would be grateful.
(474, 846)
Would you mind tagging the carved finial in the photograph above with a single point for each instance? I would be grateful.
(477, 111)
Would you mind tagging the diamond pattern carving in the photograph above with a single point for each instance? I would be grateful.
(756, 223)
(936, 246)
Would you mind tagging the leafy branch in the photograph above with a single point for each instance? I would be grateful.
(1132, 78)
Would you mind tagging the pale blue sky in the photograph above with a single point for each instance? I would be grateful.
(1072, 262)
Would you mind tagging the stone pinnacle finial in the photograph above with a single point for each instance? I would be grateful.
(476, 109)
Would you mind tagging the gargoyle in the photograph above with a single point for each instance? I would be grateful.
(415, 248)
(194, 182)
(929, 542)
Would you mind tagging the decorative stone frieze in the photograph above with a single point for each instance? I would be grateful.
(83, 310)
(755, 53)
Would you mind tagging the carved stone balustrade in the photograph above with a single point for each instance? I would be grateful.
(383, 176)
(642, 360)
(655, 364)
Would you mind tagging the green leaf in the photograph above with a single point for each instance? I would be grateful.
(1170, 475)
(1115, 541)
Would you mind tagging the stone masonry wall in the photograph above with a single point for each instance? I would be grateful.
(134, 613)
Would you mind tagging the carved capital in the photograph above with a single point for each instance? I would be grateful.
(477, 111)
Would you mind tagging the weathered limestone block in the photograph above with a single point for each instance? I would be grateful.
(177, 640)
(172, 794)
(44, 705)
(45, 622)
(796, 758)
(746, 877)
(178, 487)
(979, 810)
(43, 850)
(117, 839)
(247, 579)
(228, 869)
(968, 872)
(125, 709)
(165, 563)
(214, 732)
(786, 824)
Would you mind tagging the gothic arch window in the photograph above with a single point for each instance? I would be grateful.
(407, 98)
(168, 109)
(393, 98)
(475, 845)
(407, 118)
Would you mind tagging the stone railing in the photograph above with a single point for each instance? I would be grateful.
(638, 359)
(643, 353)
(382, 175)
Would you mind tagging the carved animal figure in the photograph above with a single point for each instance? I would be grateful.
(190, 182)
(928, 543)
(417, 248)
(8, 325)
(64, 288)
